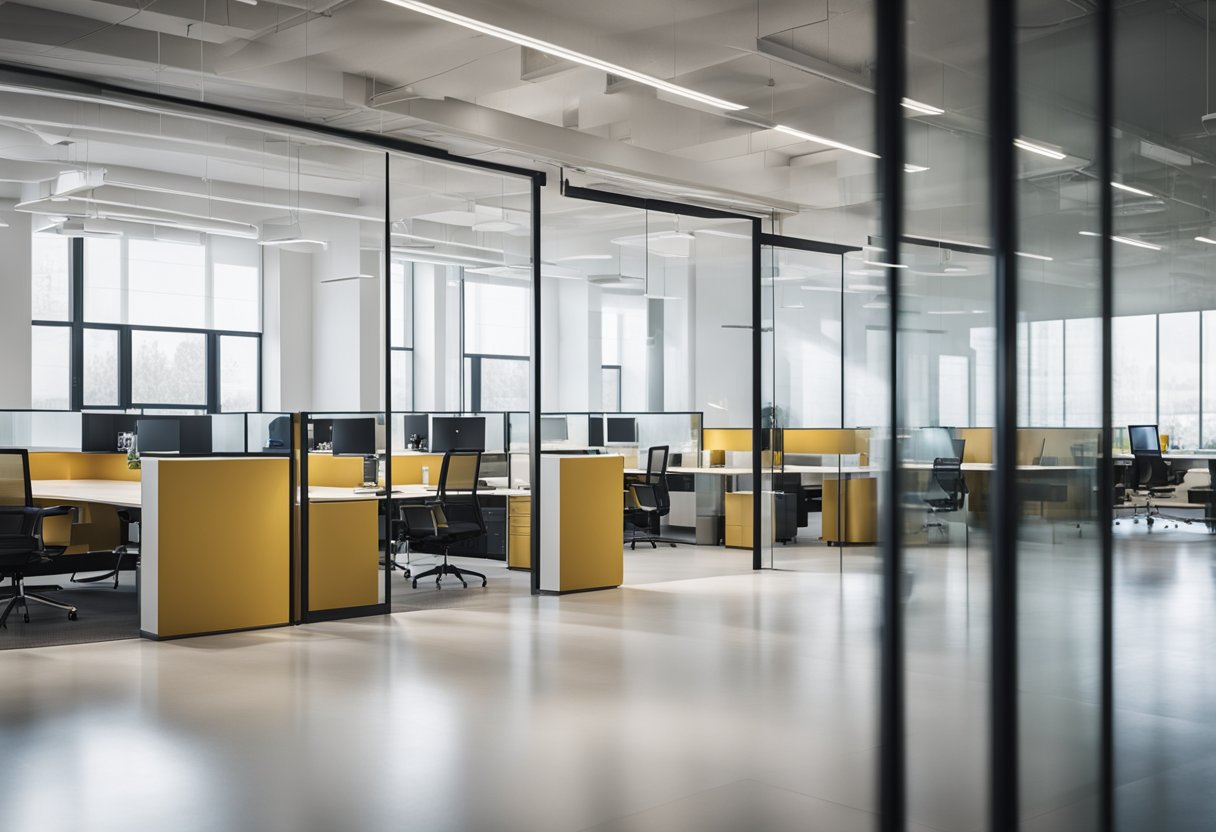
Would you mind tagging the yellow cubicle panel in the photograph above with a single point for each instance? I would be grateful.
(825, 441)
(726, 439)
(977, 445)
(216, 545)
(407, 468)
(581, 525)
(76, 465)
(343, 555)
(855, 519)
(1056, 446)
(336, 471)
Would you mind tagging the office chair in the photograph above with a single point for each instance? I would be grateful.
(454, 516)
(946, 492)
(650, 499)
(127, 517)
(278, 432)
(22, 548)
(1153, 477)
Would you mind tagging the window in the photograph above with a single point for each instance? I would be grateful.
(953, 391)
(496, 348)
(1178, 378)
(163, 324)
(611, 400)
(101, 368)
(239, 361)
(1046, 376)
(168, 368)
(1083, 373)
(51, 380)
(1208, 439)
(1134, 375)
(983, 352)
(401, 337)
(50, 278)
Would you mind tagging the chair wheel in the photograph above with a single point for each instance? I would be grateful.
(483, 581)
(71, 615)
(464, 584)
(415, 583)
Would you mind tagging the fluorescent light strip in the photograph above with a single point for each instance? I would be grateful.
(565, 54)
(885, 265)
(294, 241)
(1127, 241)
(577, 257)
(811, 137)
(911, 168)
(1207, 240)
(921, 107)
(1031, 147)
(1129, 189)
(1030, 256)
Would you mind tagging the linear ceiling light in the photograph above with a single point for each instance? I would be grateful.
(811, 137)
(1042, 150)
(1127, 241)
(556, 51)
(1030, 256)
(921, 108)
(1207, 240)
(1129, 189)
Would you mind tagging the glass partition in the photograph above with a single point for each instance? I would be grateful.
(42, 430)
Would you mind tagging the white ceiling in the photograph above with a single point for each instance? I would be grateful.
(370, 65)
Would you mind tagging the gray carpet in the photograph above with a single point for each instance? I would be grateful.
(105, 614)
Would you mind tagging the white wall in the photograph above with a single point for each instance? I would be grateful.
(287, 330)
(15, 310)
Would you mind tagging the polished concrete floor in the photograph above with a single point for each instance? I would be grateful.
(701, 696)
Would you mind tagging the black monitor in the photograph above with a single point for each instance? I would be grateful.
(622, 429)
(1144, 439)
(320, 430)
(195, 434)
(415, 424)
(458, 433)
(595, 431)
(354, 437)
(158, 436)
(553, 429)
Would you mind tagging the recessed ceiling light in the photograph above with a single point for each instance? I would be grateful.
(556, 51)
(1042, 150)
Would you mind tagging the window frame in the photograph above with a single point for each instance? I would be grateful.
(78, 325)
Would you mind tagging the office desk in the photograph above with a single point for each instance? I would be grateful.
(105, 492)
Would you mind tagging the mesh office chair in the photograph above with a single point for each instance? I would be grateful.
(650, 500)
(22, 548)
(454, 516)
(946, 492)
(1153, 478)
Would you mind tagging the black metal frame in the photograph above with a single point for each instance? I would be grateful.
(693, 210)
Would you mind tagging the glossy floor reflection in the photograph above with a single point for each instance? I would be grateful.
(700, 696)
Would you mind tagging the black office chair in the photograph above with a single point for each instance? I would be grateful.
(126, 550)
(1153, 477)
(649, 499)
(946, 492)
(22, 548)
(454, 516)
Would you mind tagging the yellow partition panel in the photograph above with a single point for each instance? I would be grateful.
(217, 545)
(977, 445)
(343, 555)
(519, 532)
(407, 468)
(855, 519)
(581, 535)
(76, 465)
(825, 441)
(726, 439)
(336, 471)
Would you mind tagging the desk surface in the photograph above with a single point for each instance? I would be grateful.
(339, 494)
(120, 493)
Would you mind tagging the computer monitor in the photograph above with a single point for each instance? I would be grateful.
(1144, 439)
(458, 433)
(929, 444)
(553, 429)
(194, 434)
(320, 431)
(622, 430)
(415, 424)
(595, 431)
(355, 437)
(158, 436)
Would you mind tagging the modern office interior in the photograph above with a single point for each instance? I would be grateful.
(557, 417)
